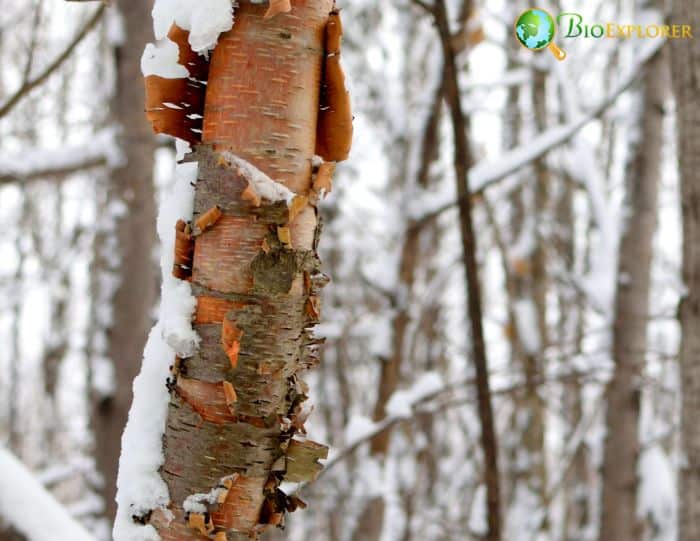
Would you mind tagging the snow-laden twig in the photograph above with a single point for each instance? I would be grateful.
(30, 509)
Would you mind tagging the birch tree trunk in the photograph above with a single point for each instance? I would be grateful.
(622, 443)
(136, 295)
(686, 83)
(236, 404)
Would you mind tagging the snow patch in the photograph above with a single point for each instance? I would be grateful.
(161, 59)
(359, 428)
(103, 378)
(526, 321)
(204, 19)
(657, 493)
(197, 503)
(266, 187)
(401, 403)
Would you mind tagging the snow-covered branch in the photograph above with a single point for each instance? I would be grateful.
(30, 509)
(36, 164)
(485, 174)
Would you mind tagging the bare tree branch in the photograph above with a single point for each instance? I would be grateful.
(31, 84)
(462, 162)
(487, 174)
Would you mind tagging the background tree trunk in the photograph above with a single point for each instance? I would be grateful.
(686, 82)
(135, 297)
(462, 162)
(622, 443)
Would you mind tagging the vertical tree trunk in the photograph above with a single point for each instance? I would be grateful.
(136, 294)
(462, 163)
(622, 443)
(236, 404)
(686, 82)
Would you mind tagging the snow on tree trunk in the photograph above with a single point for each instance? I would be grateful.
(686, 67)
(275, 98)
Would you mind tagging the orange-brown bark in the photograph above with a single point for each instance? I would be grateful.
(175, 106)
(334, 137)
(184, 251)
(237, 405)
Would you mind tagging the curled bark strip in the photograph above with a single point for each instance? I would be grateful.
(201, 523)
(303, 227)
(196, 64)
(251, 195)
(208, 220)
(184, 251)
(334, 131)
(175, 106)
(303, 460)
(236, 512)
(284, 236)
(172, 105)
(231, 339)
(323, 181)
(230, 395)
(294, 503)
(207, 399)
(313, 308)
(274, 506)
(278, 6)
(299, 203)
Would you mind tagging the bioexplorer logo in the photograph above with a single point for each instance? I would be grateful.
(535, 30)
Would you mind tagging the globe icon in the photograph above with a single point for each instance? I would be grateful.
(535, 29)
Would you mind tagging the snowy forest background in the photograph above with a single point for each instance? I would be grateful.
(556, 150)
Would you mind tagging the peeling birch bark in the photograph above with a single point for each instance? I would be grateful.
(175, 106)
(334, 137)
(236, 419)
